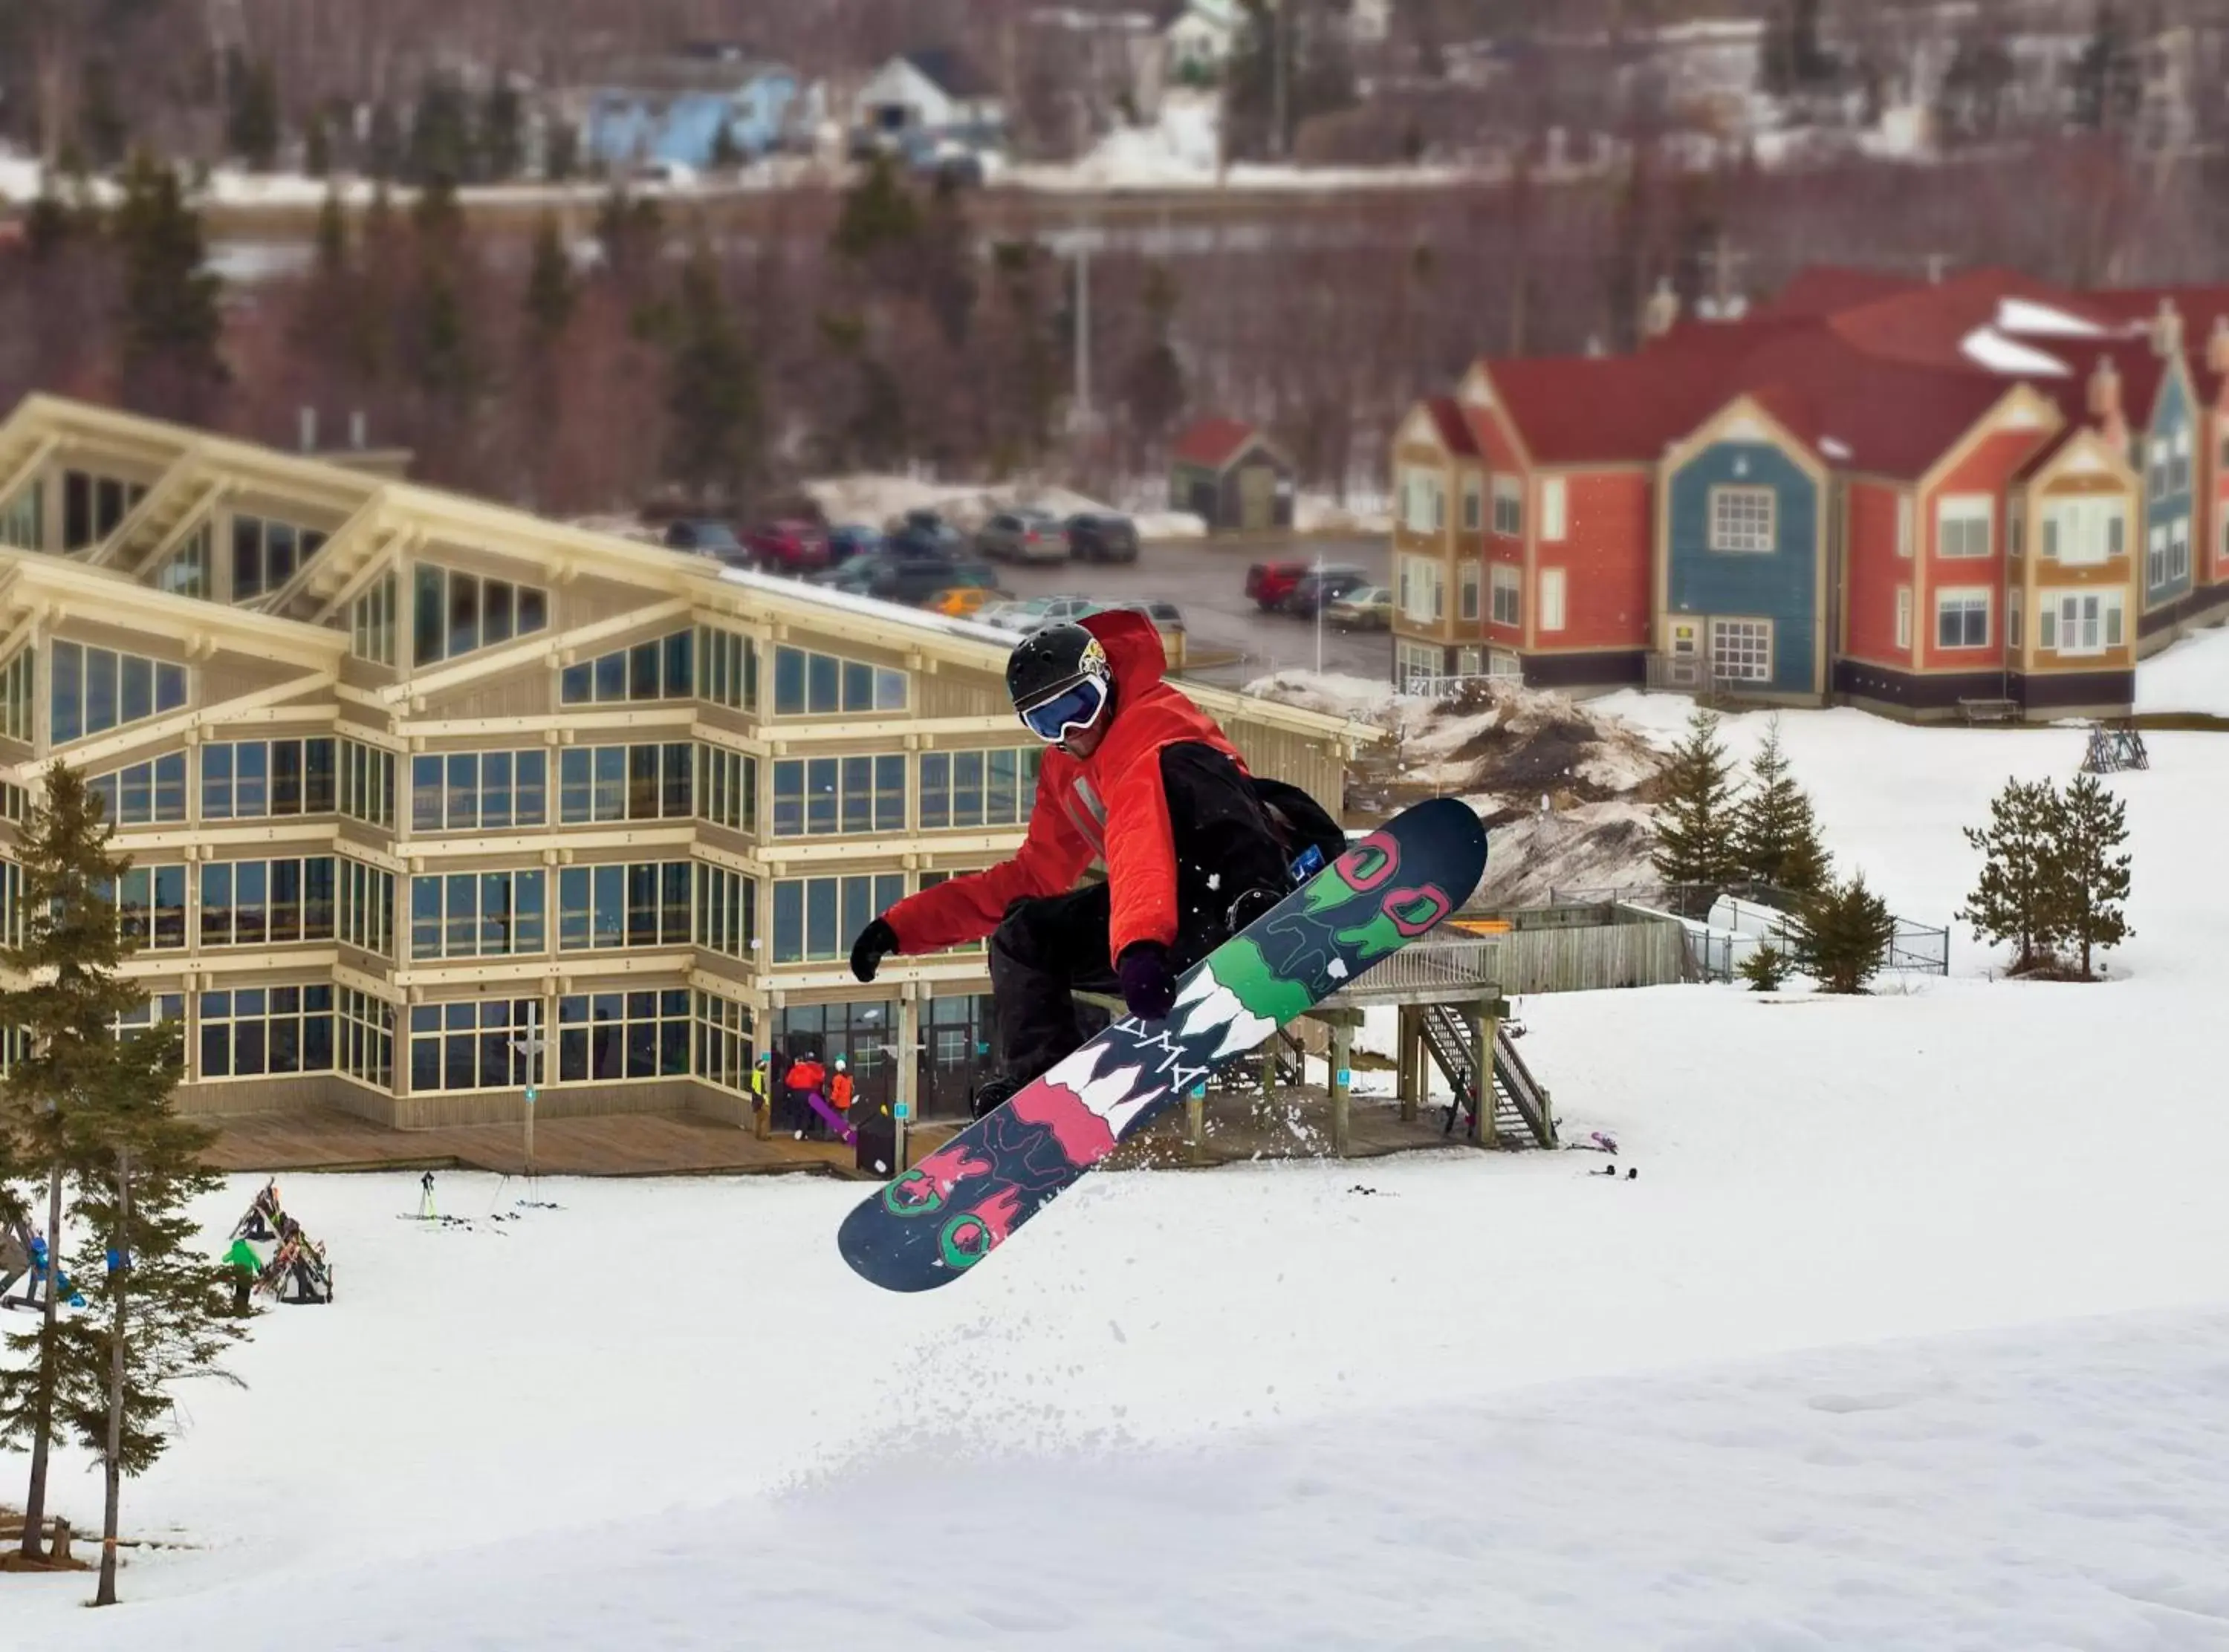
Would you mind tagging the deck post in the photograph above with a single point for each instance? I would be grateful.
(908, 1072)
(1342, 1040)
(1412, 1080)
(1480, 1024)
(1196, 1126)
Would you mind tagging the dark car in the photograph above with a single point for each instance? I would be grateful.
(923, 533)
(849, 540)
(790, 546)
(1269, 583)
(909, 579)
(1102, 536)
(705, 538)
(1318, 587)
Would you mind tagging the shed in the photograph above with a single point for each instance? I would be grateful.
(1231, 475)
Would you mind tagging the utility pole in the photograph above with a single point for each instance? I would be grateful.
(1083, 419)
(530, 1047)
(1277, 79)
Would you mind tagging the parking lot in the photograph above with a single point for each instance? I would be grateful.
(1208, 582)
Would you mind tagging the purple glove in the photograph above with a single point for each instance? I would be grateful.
(1149, 986)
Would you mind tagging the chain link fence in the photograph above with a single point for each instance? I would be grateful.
(1725, 922)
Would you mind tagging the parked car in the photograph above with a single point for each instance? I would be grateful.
(1269, 583)
(706, 538)
(790, 546)
(849, 540)
(923, 533)
(1166, 616)
(1367, 608)
(964, 601)
(1318, 587)
(1024, 536)
(910, 579)
(1102, 536)
(1031, 612)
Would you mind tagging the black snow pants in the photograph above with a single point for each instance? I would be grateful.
(1234, 855)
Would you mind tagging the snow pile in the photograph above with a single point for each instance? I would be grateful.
(2190, 677)
(1593, 847)
(1316, 514)
(1181, 147)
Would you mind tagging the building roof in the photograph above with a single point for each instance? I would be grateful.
(1822, 289)
(1214, 444)
(1456, 433)
(686, 72)
(952, 71)
(1606, 409)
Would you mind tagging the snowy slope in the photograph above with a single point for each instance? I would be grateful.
(1913, 1332)
(2191, 675)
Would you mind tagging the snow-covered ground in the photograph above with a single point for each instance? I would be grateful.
(1913, 1332)
(2191, 675)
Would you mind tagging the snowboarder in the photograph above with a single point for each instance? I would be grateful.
(840, 1088)
(804, 1080)
(1138, 776)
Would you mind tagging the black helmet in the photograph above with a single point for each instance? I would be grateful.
(1063, 669)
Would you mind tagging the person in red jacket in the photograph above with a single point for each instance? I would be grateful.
(1136, 776)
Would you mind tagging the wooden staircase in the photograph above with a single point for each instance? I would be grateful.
(1522, 1112)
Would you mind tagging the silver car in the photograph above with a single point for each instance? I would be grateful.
(1024, 536)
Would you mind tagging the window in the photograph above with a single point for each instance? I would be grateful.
(821, 796)
(993, 788)
(814, 919)
(2013, 608)
(727, 912)
(367, 783)
(371, 622)
(643, 903)
(150, 907)
(1904, 616)
(2178, 550)
(96, 689)
(365, 1028)
(144, 794)
(1468, 608)
(1416, 666)
(727, 788)
(1552, 599)
(817, 685)
(472, 791)
(1423, 501)
(1906, 511)
(264, 554)
(1963, 526)
(164, 1009)
(93, 506)
(1742, 519)
(186, 572)
(13, 802)
(2019, 524)
(1424, 589)
(482, 1044)
(454, 613)
(2178, 468)
(1741, 651)
(727, 669)
(609, 1035)
(1554, 506)
(2155, 559)
(477, 914)
(16, 689)
(662, 668)
(11, 903)
(262, 1030)
(2080, 622)
(615, 782)
(2158, 467)
(367, 907)
(1473, 516)
(268, 903)
(1508, 506)
(22, 523)
(723, 1042)
(2078, 532)
(1961, 619)
(254, 780)
(1508, 595)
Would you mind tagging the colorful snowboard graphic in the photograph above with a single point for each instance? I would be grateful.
(962, 1202)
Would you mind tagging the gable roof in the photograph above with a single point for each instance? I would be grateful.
(1456, 433)
(1213, 444)
(952, 72)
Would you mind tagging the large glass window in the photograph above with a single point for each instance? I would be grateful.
(267, 553)
(727, 788)
(144, 794)
(608, 1035)
(365, 1031)
(727, 912)
(808, 684)
(615, 782)
(367, 783)
(1962, 618)
(994, 788)
(93, 507)
(723, 1042)
(727, 669)
(453, 613)
(23, 522)
(481, 1044)
(814, 919)
(661, 669)
(371, 621)
(251, 1032)
(17, 678)
(150, 907)
(254, 780)
(187, 571)
(477, 914)
(820, 796)
(472, 792)
(96, 689)
(367, 907)
(259, 903)
(639, 904)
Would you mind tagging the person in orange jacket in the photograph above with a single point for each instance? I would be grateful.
(803, 1081)
(840, 1088)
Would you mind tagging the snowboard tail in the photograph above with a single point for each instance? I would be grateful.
(943, 1216)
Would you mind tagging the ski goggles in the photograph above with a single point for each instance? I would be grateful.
(1078, 706)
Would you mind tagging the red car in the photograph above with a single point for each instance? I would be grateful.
(1270, 583)
(789, 546)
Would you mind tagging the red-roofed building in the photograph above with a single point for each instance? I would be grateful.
(1231, 477)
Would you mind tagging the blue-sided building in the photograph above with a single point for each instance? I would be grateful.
(672, 109)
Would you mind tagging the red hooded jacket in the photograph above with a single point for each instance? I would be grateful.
(1109, 806)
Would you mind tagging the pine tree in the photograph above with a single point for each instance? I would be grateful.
(2091, 878)
(172, 327)
(1696, 822)
(1767, 969)
(1843, 931)
(502, 143)
(317, 146)
(550, 293)
(879, 214)
(101, 117)
(727, 155)
(712, 394)
(2015, 899)
(251, 128)
(53, 1096)
(441, 147)
(1154, 385)
(560, 152)
(1775, 834)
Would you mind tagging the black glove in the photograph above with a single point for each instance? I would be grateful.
(1149, 986)
(877, 942)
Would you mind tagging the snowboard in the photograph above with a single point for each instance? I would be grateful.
(942, 1218)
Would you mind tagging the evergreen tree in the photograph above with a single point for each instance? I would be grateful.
(383, 147)
(1842, 935)
(317, 146)
(2104, 79)
(251, 126)
(879, 213)
(1776, 835)
(55, 1094)
(101, 121)
(1695, 823)
(440, 147)
(560, 152)
(1767, 969)
(172, 327)
(550, 293)
(712, 394)
(503, 145)
(333, 237)
(2016, 898)
(1153, 384)
(727, 155)
(2092, 871)
(944, 260)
